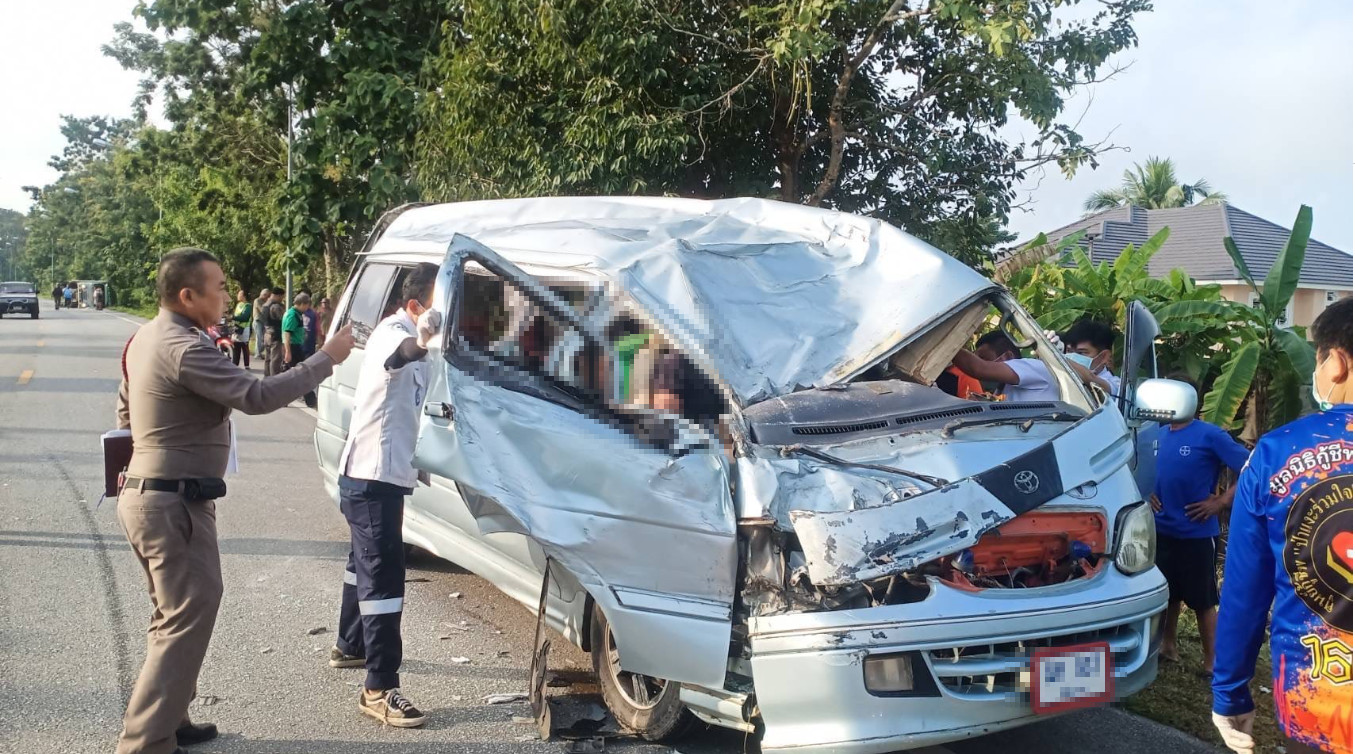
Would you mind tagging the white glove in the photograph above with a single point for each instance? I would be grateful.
(1055, 341)
(430, 322)
(1236, 731)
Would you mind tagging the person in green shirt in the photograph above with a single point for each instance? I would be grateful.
(294, 337)
(241, 317)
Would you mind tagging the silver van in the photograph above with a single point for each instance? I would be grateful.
(719, 422)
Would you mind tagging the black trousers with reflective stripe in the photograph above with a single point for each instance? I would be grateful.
(374, 582)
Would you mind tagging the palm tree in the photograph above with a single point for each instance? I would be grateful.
(1153, 185)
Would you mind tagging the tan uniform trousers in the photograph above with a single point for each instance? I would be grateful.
(175, 542)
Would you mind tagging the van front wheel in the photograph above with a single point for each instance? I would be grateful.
(648, 706)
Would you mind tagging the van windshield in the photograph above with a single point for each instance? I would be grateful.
(987, 350)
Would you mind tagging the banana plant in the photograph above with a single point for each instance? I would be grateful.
(1265, 365)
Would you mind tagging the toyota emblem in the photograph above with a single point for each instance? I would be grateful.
(1026, 482)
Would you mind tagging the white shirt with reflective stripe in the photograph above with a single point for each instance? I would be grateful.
(385, 423)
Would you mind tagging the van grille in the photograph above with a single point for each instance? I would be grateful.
(994, 671)
(838, 429)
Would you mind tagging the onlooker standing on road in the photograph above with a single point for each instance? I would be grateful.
(176, 397)
(241, 318)
(326, 317)
(56, 296)
(376, 472)
(312, 322)
(272, 340)
(1289, 557)
(260, 304)
(1190, 457)
(68, 295)
(294, 337)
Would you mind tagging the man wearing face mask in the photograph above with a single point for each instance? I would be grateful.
(1289, 557)
(376, 473)
(1089, 343)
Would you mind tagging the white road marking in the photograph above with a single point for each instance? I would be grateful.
(124, 319)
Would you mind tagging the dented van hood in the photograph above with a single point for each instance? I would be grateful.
(857, 524)
(773, 297)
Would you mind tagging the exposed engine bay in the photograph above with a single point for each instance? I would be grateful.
(835, 429)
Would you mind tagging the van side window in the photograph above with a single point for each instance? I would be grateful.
(655, 375)
(499, 323)
(368, 302)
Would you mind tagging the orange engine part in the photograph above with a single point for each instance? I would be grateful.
(1035, 539)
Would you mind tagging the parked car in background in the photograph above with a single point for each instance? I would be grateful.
(718, 422)
(19, 298)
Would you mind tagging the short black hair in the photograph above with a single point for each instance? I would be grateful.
(418, 283)
(279, 292)
(1331, 329)
(1099, 334)
(999, 341)
(180, 269)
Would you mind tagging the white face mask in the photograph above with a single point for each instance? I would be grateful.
(1323, 402)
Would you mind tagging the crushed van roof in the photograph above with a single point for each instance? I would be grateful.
(776, 297)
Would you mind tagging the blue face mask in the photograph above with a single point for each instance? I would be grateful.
(1322, 401)
(1077, 358)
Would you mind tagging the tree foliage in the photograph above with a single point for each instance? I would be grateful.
(1153, 185)
(891, 109)
(1253, 368)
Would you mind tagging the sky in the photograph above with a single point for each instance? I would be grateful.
(1253, 95)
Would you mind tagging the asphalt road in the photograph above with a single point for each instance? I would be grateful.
(73, 604)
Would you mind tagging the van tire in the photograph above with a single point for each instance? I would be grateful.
(666, 719)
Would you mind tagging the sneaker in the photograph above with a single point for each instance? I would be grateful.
(337, 659)
(391, 707)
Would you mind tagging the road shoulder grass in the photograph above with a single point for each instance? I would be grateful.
(146, 312)
(1181, 696)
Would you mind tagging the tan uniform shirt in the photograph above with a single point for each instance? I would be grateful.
(181, 392)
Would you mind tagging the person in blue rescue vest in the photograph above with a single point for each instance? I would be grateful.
(1289, 557)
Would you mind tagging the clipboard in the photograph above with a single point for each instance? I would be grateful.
(117, 450)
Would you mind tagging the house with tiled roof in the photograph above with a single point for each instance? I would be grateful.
(1196, 246)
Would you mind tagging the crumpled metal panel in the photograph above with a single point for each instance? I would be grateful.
(651, 536)
(851, 530)
(847, 547)
(771, 296)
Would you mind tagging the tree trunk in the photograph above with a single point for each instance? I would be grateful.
(787, 147)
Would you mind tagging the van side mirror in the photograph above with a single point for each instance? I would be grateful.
(1165, 401)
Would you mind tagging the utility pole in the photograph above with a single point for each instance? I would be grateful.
(290, 119)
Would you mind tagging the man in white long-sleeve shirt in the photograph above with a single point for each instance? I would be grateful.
(376, 473)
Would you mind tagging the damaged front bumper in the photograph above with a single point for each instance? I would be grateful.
(969, 649)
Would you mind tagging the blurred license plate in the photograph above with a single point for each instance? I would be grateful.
(1066, 678)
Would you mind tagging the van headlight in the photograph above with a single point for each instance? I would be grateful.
(1136, 539)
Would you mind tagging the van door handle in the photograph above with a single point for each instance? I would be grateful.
(438, 410)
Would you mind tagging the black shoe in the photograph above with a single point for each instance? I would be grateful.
(194, 733)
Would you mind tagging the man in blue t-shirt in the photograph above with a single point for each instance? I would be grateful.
(1190, 456)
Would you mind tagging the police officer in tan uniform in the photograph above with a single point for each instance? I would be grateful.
(177, 399)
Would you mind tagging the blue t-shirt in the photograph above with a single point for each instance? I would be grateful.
(1188, 463)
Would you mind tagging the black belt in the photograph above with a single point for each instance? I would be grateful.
(192, 489)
